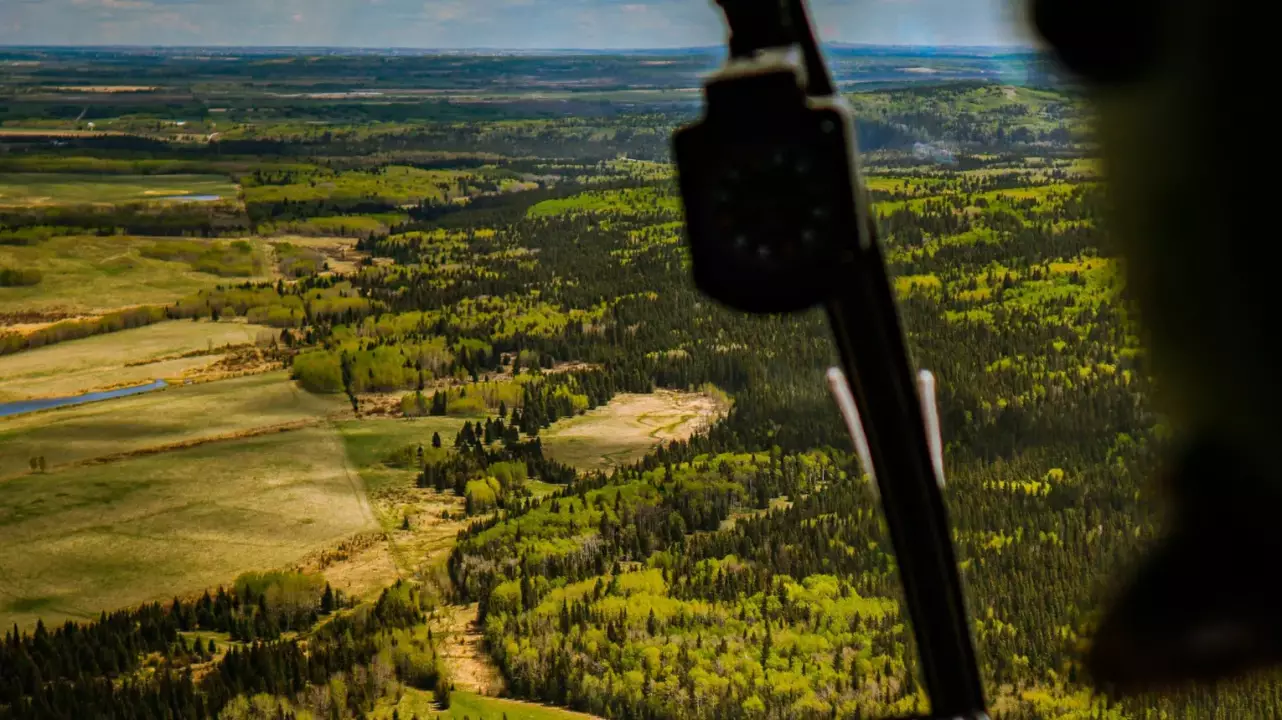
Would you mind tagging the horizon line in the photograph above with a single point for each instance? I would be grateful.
(484, 48)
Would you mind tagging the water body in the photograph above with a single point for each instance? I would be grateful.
(27, 406)
(193, 198)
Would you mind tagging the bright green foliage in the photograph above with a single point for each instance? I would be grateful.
(631, 201)
(393, 184)
(238, 258)
(319, 372)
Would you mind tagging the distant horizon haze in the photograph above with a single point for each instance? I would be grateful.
(487, 25)
(481, 49)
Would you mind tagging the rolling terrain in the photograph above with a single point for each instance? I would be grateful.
(446, 431)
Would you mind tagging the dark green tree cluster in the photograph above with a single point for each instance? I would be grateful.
(73, 672)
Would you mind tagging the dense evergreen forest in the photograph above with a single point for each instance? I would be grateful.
(744, 573)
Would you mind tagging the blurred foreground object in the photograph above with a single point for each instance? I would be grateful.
(777, 221)
(1163, 76)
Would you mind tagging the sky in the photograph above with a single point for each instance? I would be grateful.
(511, 24)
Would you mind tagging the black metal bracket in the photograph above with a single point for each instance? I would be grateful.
(778, 221)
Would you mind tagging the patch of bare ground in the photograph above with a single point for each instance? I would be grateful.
(424, 525)
(463, 649)
(626, 428)
(360, 566)
(237, 361)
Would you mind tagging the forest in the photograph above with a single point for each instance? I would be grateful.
(516, 268)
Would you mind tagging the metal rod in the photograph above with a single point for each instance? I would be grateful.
(868, 333)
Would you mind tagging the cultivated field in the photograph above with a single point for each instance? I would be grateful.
(114, 535)
(24, 189)
(115, 359)
(160, 419)
(90, 275)
(624, 430)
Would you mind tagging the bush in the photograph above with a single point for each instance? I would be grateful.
(414, 405)
(319, 372)
(482, 495)
(76, 329)
(278, 316)
(16, 277)
(509, 474)
(235, 260)
(470, 405)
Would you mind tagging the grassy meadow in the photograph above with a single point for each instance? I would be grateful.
(91, 274)
(134, 356)
(371, 443)
(147, 528)
(26, 189)
(163, 418)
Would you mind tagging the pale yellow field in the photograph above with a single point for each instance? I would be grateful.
(624, 430)
(115, 535)
(159, 419)
(79, 366)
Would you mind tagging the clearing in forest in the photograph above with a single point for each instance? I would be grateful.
(472, 706)
(624, 430)
(373, 445)
(339, 252)
(164, 351)
(101, 537)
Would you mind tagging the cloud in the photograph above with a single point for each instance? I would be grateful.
(113, 4)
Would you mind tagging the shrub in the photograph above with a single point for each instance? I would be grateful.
(18, 277)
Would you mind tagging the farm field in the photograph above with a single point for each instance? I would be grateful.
(128, 357)
(39, 189)
(88, 275)
(159, 419)
(149, 528)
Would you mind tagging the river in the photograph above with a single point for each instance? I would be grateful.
(21, 407)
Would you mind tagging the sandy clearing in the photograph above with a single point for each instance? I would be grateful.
(625, 429)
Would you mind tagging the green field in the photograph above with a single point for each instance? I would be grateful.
(108, 536)
(91, 274)
(84, 188)
(113, 359)
(473, 707)
(67, 436)
(370, 442)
